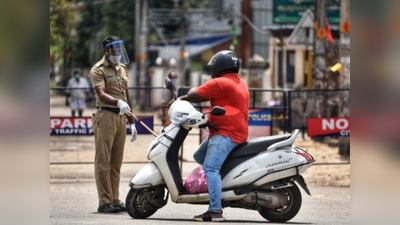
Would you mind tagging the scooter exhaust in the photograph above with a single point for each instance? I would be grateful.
(268, 200)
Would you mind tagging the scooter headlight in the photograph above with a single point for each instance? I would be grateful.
(190, 121)
(177, 117)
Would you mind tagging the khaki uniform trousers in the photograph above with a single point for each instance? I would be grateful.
(110, 133)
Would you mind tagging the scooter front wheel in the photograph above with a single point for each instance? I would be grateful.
(291, 206)
(138, 203)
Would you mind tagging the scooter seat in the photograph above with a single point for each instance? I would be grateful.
(255, 146)
(248, 150)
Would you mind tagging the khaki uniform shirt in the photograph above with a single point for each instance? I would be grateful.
(115, 80)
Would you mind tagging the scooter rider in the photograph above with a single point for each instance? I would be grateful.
(227, 90)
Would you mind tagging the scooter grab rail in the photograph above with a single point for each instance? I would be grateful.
(287, 142)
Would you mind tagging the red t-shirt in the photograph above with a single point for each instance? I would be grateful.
(231, 93)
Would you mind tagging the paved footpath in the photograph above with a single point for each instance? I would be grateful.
(76, 203)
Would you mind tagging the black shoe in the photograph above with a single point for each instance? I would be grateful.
(122, 207)
(209, 216)
(108, 208)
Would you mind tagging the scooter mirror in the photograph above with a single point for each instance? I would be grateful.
(168, 84)
(218, 111)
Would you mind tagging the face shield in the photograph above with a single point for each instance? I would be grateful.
(117, 52)
(210, 67)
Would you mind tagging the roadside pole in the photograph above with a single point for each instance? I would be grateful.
(182, 54)
(137, 47)
(344, 142)
(319, 55)
(141, 56)
(345, 43)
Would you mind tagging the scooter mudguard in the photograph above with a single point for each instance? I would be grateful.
(148, 176)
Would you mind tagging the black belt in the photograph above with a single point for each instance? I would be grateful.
(114, 110)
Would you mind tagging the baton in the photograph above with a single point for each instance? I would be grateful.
(143, 124)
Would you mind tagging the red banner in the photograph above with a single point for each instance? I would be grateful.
(329, 126)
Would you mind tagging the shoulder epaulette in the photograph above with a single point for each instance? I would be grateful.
(98, 64)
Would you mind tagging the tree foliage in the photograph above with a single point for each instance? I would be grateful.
(77, 27)
(87, 47)
(118, 19)
(64, 17)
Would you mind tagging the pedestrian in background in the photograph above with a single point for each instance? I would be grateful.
(109, 78)
(77, 92)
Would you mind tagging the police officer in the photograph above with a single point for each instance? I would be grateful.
(109, 78)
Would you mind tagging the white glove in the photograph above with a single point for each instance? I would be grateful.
(134, 132)
(123, 107)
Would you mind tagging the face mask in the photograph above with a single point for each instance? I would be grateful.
(114, 59)
(173, 81)
(77, 76)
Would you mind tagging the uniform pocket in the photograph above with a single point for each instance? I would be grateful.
(111, 82)
(95, 119)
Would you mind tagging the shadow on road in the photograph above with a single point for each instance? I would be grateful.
(227, 221)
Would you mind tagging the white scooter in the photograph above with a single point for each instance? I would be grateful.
(258, 175)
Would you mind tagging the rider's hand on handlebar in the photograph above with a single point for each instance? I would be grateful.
(212, 126)
(170, 103)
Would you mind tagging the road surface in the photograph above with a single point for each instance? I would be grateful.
(76, 203)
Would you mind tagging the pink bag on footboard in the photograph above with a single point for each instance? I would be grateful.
(196, 181)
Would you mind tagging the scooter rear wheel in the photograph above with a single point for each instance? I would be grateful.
(288, 210)
(138, 203)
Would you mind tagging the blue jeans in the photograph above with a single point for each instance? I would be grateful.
(212, 154)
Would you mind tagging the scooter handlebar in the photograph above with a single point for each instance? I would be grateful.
(212, 126)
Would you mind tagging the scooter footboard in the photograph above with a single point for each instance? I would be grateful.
(148, 176)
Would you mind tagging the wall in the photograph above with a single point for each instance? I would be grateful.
(299, 62)
(262, 16)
